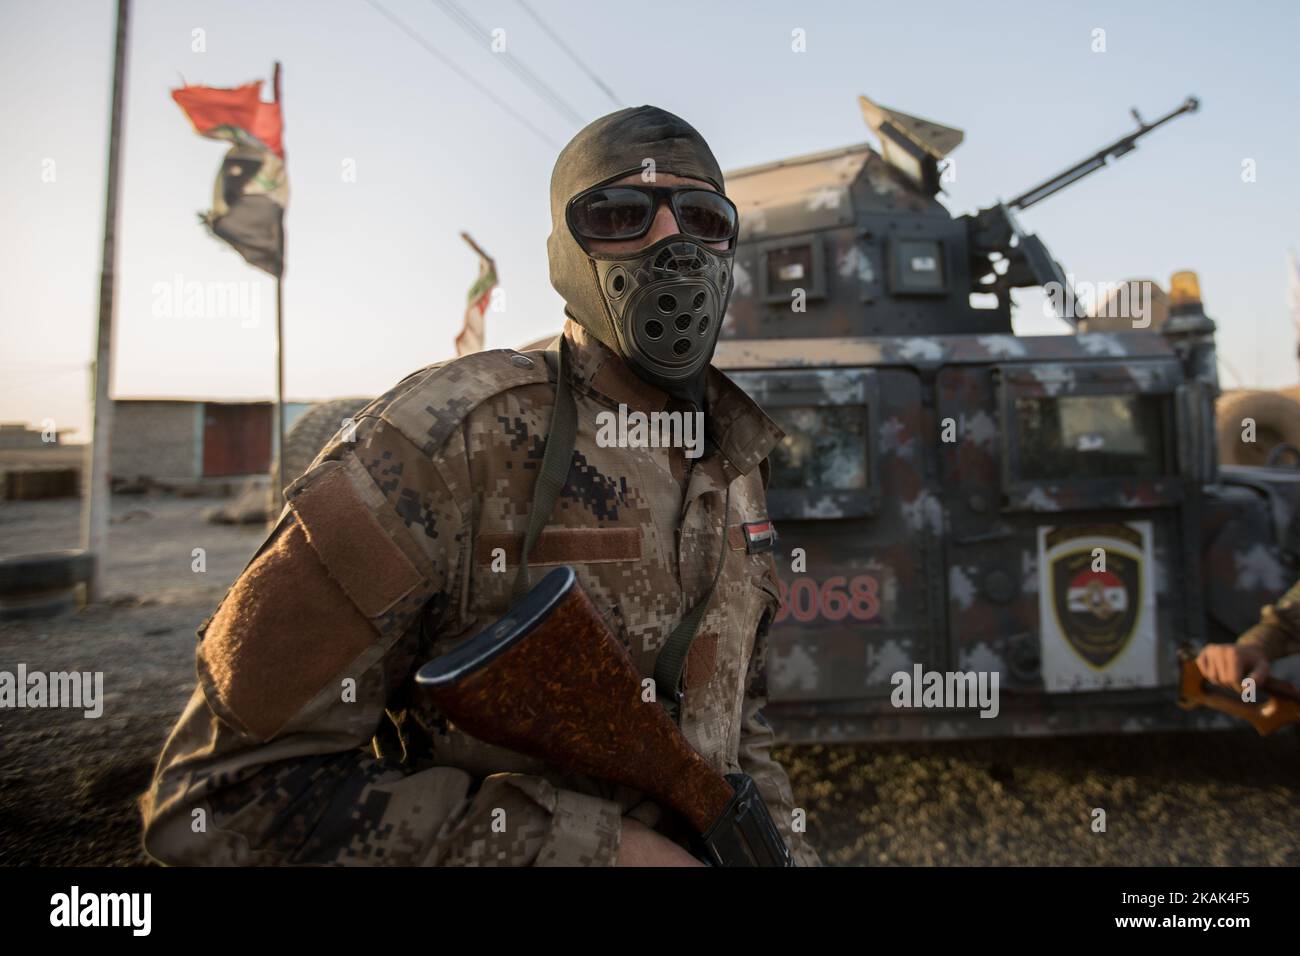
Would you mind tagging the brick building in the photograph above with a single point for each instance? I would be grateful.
(192, 439)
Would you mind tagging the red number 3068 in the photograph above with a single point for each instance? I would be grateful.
(834, 599)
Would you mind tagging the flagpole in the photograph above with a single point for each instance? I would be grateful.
(279, 331)
(474, 245)
(279, 386)
(94, 518)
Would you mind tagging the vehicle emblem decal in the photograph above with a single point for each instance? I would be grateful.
(1097, 607)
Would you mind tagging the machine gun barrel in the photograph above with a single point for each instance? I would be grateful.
(1098, 159)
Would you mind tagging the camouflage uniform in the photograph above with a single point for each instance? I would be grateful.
(304, 741)
(1278, 632)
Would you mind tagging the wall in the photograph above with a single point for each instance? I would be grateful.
(158, 439)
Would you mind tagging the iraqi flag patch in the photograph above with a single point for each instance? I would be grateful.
(760, 536)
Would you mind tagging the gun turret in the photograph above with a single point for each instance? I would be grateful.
(859, 239)
(995, 233)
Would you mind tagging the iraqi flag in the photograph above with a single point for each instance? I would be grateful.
(252, 189)
(471, 337)
(1099, 593)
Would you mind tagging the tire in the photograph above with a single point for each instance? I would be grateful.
(61, 602)
(538, 344)
(308, 436)
(31, 574)
(1277, 420)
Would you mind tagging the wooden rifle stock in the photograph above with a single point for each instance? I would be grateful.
(550, 681)
(1281, 708)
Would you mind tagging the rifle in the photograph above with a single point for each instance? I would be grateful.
(1281, 708)
(550, 681)
(1108, 153)
(996, 229)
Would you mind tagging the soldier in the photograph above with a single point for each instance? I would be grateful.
(304, 741)
(1276, 635)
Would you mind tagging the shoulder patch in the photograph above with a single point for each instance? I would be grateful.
(346, 535)
(282, 633)
(431, 409)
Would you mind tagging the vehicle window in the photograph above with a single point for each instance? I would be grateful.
(1090, 436)
(824, 447)
(789, 269)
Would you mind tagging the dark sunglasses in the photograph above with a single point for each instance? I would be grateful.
(613, 213)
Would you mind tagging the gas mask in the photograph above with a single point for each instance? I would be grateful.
(667, 302)
(660, 308)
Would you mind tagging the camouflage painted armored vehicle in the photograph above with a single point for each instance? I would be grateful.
(954, 499)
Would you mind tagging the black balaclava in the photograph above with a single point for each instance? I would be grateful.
(621, 299)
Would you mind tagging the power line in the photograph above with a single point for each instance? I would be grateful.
(572, 56)
(539, 86)
(468, 78)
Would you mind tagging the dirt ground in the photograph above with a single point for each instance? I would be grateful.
(68, 784)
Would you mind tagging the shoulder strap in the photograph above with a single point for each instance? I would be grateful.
(670, 665)
(560, 441)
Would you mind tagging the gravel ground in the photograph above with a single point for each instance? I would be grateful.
(69, 785)
(1207, 799)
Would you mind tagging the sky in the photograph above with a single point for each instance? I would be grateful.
(390, 154)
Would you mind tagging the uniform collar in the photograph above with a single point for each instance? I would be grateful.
(738, 427)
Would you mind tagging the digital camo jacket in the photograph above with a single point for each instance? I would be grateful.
(305, 742)
(1278, 630)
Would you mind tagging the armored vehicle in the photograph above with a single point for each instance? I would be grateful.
(956, 503)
